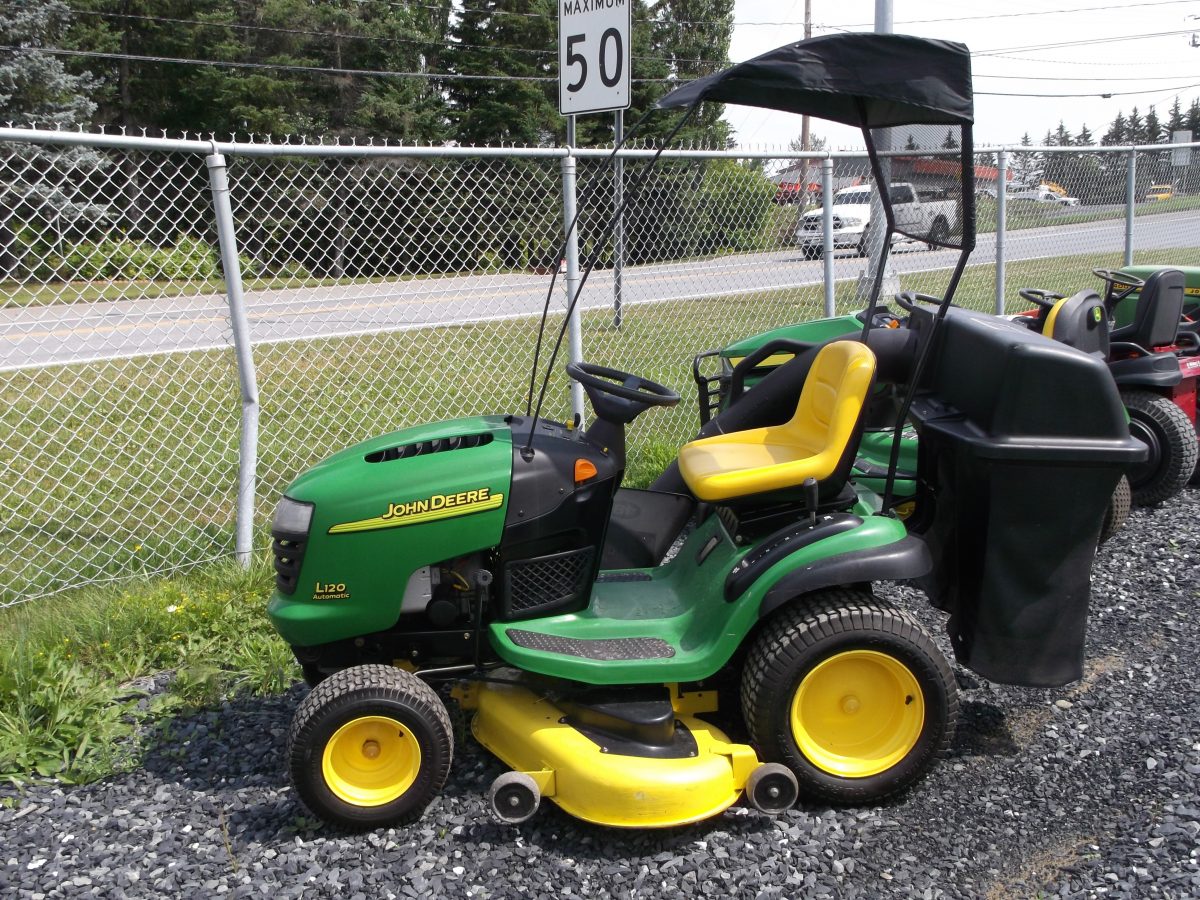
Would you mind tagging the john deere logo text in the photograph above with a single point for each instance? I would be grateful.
(426, 509)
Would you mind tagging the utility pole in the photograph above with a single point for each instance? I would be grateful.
(804, 120)
(878, 224)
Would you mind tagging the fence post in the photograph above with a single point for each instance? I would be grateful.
(619, 229)
(1001, 225)
(574, 335)
(1130, 198)
(827, 232)
(218, 182)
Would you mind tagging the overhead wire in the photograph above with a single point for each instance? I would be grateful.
(349, 35)
(286, 67)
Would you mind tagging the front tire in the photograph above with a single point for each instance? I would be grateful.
(850, 694)
(1171, 440)
(370, 747)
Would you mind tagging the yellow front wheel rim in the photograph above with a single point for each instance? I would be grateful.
(371, 761)
(857, 713)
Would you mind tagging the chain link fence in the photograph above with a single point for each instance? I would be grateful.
(154, 396)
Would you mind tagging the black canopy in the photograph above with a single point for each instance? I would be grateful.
(891, 79)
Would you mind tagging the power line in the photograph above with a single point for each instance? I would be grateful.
(1104, 95)
(1081, 43)
(1009, 15)
(427, 42)
(1091, 78)
(283, 67)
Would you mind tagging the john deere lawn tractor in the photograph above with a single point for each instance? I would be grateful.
(590, 630)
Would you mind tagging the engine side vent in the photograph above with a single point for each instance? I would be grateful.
(424, 448)
(543, 584)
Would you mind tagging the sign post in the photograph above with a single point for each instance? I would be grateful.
(593, 76)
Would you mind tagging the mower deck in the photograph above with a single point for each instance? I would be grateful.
(603, 779)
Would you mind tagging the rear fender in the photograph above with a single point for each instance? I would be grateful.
(841, 549)
(901, 560)
(1158, 370)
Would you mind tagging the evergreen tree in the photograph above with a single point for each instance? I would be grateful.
(515, 39)
(335, 33)
(1175, 121)
(1135, 128)
(1153, 129)
(1062, 137)
(692, 36)
(1085, 138)
(1116, 131)
(35, 87)
(1192, 123)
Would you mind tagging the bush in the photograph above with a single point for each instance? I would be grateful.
(190, 259)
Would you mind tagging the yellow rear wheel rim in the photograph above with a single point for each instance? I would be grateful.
(370, 761)
(857, 713)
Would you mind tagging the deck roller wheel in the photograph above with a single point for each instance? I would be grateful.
(513, 798)
(772, 789)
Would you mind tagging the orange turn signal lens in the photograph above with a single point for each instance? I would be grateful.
(584, 469)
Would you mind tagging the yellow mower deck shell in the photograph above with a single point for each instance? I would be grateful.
(524, 731)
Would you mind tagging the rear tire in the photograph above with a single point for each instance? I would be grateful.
(1117, 511)
(850, 694)
(1171, 439)
(370, 747)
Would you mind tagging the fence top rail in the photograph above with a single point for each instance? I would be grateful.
(254, 148)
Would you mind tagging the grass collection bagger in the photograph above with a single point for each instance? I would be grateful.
(647, 658)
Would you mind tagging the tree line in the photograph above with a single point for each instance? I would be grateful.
(297, 67)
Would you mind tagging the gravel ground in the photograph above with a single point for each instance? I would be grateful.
(1092, 790)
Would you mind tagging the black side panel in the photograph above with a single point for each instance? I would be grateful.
(643, 526)
(1158, 370)
(905, 559)
(553, 528)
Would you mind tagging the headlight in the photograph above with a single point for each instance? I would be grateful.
(292, 517)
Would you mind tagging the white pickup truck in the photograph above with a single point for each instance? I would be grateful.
(916, 219)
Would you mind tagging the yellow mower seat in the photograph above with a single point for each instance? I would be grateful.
(809, 445)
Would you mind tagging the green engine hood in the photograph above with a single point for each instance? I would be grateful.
(381, 510)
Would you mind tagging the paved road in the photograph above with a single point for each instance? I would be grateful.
(74, 333)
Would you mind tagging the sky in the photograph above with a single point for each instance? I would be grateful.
(1157, 67)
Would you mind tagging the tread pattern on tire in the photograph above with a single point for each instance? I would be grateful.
(1117, 511)
(377, 682)
(1180, 445)
(826, 615)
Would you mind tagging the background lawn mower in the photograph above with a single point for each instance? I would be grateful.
(587, 628)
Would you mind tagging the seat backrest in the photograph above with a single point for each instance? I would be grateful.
(1080, 322)
(1156, 316)
(833, 396)
(829, 412)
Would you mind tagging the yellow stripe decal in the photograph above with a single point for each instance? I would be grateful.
(393, 520)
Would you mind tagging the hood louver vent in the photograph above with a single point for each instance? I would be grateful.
(424, 448)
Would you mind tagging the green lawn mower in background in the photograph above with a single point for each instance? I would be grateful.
(592, 632)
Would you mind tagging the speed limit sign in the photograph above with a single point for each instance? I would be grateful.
(593, 55)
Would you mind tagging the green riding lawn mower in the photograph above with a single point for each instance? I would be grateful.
(647, 658)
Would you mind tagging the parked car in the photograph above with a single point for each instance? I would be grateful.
(1159, 192)
(915, 215)
(1043, 194)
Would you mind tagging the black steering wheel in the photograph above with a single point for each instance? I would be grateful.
(618, 396)
(1038, 297)
(1111, 278)
(909, 300)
